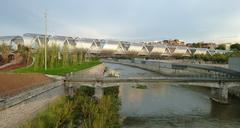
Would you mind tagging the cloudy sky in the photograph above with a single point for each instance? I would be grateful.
(133, 20)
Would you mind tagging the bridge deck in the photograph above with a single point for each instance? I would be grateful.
(149, 79)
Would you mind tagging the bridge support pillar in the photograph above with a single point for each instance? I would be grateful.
(132, 60)
(98, 91)
(70, 90)
(220, 95)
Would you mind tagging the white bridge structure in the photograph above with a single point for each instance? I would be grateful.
(103, 47)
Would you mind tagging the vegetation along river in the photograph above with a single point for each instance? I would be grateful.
(169, 106)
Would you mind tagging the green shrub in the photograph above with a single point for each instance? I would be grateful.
(93, 113)
(57, 115)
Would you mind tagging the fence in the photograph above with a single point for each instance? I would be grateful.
(14, 100)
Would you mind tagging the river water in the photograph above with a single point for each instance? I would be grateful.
(166, 105)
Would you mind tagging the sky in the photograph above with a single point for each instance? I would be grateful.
(130, 20)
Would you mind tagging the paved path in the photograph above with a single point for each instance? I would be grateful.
(12, 117)
(94, 72)
(190, 62)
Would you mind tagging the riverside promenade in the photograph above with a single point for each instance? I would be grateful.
(37, 99)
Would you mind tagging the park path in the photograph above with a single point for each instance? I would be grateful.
(94, 72)
(16, 115)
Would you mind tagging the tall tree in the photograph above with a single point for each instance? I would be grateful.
(235, 47)
(221, 47)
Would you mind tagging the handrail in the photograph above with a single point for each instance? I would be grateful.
(203, 67)
(129, 79)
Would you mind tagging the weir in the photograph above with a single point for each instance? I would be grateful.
(98, 91)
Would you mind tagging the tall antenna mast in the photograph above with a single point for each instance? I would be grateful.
(45, 42)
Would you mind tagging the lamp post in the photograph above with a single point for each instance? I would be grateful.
(45, 41)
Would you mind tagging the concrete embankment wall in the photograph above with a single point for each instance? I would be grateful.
(167, 69)
(14, 100)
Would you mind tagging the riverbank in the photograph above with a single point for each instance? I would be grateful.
(31, 100)
(19, 80)
(83, 109)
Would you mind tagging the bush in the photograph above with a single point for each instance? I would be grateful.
(216, 58)
(93, 113)
(113, 91)
(235, 47)
(57, 115)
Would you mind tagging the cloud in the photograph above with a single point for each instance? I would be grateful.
(83, 31)
(190, 20)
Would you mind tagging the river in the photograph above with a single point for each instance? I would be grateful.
(166, 105)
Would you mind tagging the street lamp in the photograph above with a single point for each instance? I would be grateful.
(45, 41)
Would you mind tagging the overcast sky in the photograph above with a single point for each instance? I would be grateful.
(133, 20)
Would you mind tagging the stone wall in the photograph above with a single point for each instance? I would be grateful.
(234, 63)
(163, 68)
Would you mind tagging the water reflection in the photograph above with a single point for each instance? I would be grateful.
(226, 112)
(169, 106)
(162, 100)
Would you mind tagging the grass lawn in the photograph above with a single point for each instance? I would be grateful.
(59, 70)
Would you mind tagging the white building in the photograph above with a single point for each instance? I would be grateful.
(221, 51)
(228, 46)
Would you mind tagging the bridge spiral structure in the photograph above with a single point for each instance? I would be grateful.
(104, 47)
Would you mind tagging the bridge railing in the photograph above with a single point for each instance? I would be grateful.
(148, 79)
(196, 70)
(78, 76)
(204, 75)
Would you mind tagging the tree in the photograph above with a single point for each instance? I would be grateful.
(5, 51)
(221, 47)
(196, 45)
(235, 47)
